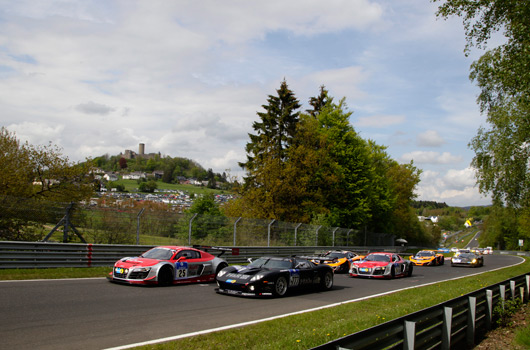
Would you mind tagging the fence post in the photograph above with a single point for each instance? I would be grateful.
(348, 237)
(527, 279)
(410, 335)
(235, 229)
(502, 292)
(512, 288)
(189, 231)
(447, 325)
(489, 308)
(295, 232)
(316, 239)
(335, 230)
(471, 318)
(269, 233)
(138, 226)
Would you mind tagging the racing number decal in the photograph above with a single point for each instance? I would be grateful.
(294, 280)
(181, 270)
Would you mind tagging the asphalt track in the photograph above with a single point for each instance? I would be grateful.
(97, 314)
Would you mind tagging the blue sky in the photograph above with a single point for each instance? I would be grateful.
(187, 78)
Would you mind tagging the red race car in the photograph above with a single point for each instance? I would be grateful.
(167, 265)
(381, 265)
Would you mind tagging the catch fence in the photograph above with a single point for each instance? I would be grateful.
(151, 225)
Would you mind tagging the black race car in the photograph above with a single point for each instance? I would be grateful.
(273, 276)
(467, 259)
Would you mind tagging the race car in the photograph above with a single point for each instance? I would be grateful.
(381, 265)
(273, 276)
(467, 259)
(166, 265)
(427, 258)
(339, 260)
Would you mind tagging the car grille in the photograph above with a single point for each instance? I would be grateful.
(120, 275)
(135, 275)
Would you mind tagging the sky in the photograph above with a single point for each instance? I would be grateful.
(187, 78)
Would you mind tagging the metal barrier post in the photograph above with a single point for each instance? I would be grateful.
(471, 319)
(316, 239)
(446, 331)
(512, 288)
(502, 292)
(489, 308)
(410, 335)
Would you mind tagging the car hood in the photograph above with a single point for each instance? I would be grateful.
(371, 263)
(137, 261)
(423, 257)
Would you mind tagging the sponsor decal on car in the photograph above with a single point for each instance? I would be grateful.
(181, 270)
(295, 277)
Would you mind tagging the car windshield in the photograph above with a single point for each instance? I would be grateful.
(378, 257)
(158, 253)
(425, 254)
(337, 255)
(467, 256)
(271, 263)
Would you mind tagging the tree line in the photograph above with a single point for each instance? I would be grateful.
(502, 147)
(313, 167)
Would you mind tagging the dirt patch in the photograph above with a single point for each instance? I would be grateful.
(503, 337)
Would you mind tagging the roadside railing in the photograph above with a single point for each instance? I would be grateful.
(48, 255)
(459, 323)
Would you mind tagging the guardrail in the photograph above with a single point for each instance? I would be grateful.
(49, 255)
(456, 324)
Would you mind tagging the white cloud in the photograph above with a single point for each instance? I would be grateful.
(430, 138)
(456, 188)
(423, 157)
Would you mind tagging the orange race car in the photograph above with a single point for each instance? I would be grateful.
(427, 257)
(339, 260)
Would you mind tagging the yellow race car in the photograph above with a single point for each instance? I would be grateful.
(339, 260)
(427, 258)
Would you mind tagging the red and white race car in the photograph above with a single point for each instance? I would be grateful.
(167, 265)
(381, 265)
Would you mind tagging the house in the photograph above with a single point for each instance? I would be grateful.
(110, 177)
(135, 175)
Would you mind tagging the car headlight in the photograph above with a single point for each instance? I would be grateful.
(257, 277)
(142, 269)
(474, 261)
(221, 273)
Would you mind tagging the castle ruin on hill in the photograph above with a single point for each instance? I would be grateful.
(141, 153)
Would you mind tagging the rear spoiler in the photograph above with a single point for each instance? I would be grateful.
(234, 251)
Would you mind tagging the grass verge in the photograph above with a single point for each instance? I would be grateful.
(54, 273)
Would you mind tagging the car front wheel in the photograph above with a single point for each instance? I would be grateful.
(280, 287)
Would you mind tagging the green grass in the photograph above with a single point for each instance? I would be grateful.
(522, 337)
(54, 273)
